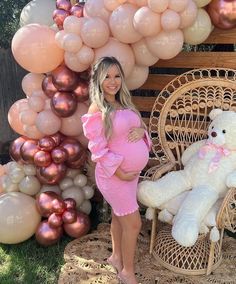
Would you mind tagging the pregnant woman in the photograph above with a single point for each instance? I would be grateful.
(120, 147)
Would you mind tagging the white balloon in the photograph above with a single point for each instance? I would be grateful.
(29, 170)
(66, 183)
(30, 185)
(88, 191)
(16, 174)
(74, 192)
(53, 188)
(80, 180)
(85, 207)
(72, 173)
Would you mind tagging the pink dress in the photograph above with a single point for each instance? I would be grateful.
(117, 152)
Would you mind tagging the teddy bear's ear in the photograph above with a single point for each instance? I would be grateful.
(215, 112)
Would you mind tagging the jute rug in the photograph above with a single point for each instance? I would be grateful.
(86, 263)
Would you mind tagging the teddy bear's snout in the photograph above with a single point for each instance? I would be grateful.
(213, 134)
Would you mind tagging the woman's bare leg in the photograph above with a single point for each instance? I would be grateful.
(131, 225)
(116, 232)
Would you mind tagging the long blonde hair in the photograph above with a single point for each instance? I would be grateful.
(98, 75)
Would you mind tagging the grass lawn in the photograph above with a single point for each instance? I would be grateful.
(30, 263)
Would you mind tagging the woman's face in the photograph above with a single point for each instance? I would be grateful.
(112, 83)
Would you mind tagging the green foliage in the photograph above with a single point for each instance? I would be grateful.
(9, 19)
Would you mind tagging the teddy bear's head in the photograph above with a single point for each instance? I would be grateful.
(222, 129)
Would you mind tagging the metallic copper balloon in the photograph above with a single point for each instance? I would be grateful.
(28, 150)
(51, 174)
(42, 159)
(82, 91)
(77, 10)
(59, 16)
(223, 13)
(80, 227)
(70, 203)
(69, 216)
(73, 148)
(63, 4)
(64, 79)
(79, 162)
(14, 149)
(59, 155)
(48, 87)
(55, 220)
(46, 235)
(44, 202)
(58, 205)
(85, 75)
(46, 143)
(58, 138)
(63, 104)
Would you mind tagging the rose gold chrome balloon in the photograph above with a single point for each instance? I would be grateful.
(55, 220)
(64, 79)
(46, 143)
(51, 174)
(48, 87)
(79, 162)
(42, 159)
(59, 155)
(80, 227)
(77, 10)
(82, 91)
(70, 203)
(28, 150)
(69, 216)
(73, 148)
(223, 13)
(46, 235)
(59, 16)
(58, 138)
(58, 205)
(63, 4)
(63, 104)
(14, 149)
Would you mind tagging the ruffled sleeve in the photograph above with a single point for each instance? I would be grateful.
(93, 129)
(147, 140)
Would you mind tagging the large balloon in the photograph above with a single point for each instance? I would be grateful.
(38, 12)
(19, 217)
(137, 78)
(35, 49)
(96, 9)
(80, 227)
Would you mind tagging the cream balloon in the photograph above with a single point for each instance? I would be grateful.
(80, 180)
(141, 3)
(189, 15)
(74, 192)
(72, 173)
(38, 11)
(59, 36)
(85, 55)
(72, 62)
(122, 52)
(121, 24)
(158, 6)
(170, 20)
(66, 183)
(29, 170)
(30, 185)
(53, 188)
(32, 82)
(35, 49)
(137, 78)
(85, 207)
(72, 42)
(202, 3)
(16, 174)
(111, 5)
(96, 8)
(7, 184)
(146, 22)
(47, 122)
(178, 6)
(200, 30)
(166, 45)
(19, 217)
(95, 32)
(73, 24)
(88, 191)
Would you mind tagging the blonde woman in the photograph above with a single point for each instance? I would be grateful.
(120, 147)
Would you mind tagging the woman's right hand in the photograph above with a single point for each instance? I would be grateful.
(127, 176)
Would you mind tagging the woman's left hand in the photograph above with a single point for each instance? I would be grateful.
(135, 134)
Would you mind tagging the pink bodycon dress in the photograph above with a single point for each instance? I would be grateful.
(117, 152)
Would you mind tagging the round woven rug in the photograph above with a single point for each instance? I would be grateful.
(85, 262)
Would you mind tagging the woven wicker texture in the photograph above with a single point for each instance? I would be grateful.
(86, 262)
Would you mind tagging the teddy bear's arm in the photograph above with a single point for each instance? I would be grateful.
(191, 150)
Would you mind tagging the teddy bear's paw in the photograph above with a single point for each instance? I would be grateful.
(185, 232)
(165, 216)
(148, 194)
(149, 215)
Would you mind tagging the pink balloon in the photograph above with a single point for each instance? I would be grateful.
(72, 24)
(158, 6)
(141, 3)
(95, 32)
(166, 45)
(31, 82)
(35, 49)
(85, 55)
(137, 78)
(14, 115)
(189, 15)
(121, 24)
(47, 122)
(170, 20)
(71, 126)
(96, 8)
(122, 52)
(146, 22)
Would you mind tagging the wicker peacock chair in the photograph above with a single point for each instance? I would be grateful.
(180, 117)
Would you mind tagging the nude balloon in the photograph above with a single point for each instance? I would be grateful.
(111, 5)
(146, 22)
(202, 3)
(35, 49)
(122, 52)
(31, 82)
(72, 61)
(72, 42)
(36, 103)
(85, 55)
(166, 45)
(121, 24)
(73, 24)
(137, 78)
(158, 6)
(47, 122)
(32, 132)
(170, 20)
(142, 54)
(96, 8)
(189, 15)
(95, 32)
(14, 113)
(30, 185)
(200, 30)
(177, 6)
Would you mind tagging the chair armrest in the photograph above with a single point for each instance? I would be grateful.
(226, 218)
(158, 170)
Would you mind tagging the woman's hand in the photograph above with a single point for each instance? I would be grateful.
(127, 176)
(135, 134)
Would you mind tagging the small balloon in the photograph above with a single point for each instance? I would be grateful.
(55, 220)
(51, 174)
(73, 148)
(79, 162)
(28, 150)
(70, 203)
(82, 91)
(80, 227)
(42, 159)
(69, 216)
(46, 143)
(46, 235)
(59, 16)
(59, 155)
(77, 10)
(64, 79)
(15, 147)
(63, 4)
(48, 87)
(63, 104)
(58, 138)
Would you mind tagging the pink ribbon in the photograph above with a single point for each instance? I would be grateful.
(220, 152)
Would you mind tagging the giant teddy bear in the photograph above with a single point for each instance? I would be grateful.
(195, 192)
